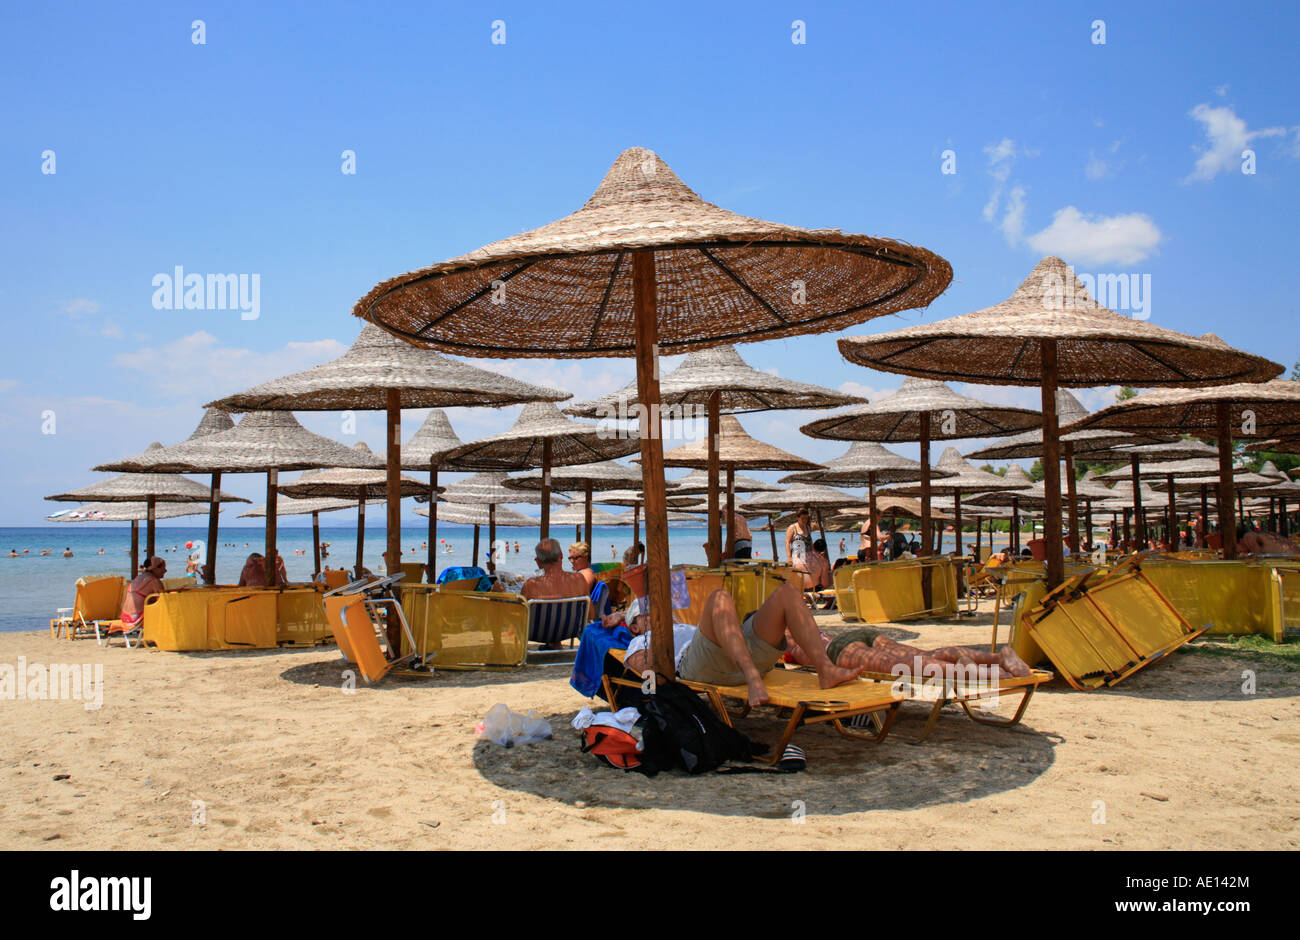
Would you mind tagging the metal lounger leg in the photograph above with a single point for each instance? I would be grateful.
(1002, 722)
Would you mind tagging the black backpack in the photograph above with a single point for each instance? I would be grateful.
(681, 731)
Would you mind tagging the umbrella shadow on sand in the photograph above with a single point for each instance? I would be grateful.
(960, 761)
(327, 671)
(1189, 676)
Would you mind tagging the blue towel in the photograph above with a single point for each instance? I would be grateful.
(463, 573)
(597, 640)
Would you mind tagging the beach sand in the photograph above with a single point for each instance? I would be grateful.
(263, 750)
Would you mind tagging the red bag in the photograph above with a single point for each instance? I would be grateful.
(613, 746)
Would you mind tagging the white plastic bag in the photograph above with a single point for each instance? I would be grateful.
(509, 728)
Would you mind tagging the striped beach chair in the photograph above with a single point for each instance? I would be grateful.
(553, 620)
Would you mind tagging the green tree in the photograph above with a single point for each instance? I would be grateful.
(1036, 472)
(1125, 393)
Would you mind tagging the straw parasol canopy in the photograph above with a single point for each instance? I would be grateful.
(1247, 409)
(493, 488)
(125, 512)
(696, 483)
(288, 506)
(435, 436)
(923, 410)
(139, 487)
(263, 442)
(1029, 444)
(646, 265)
(1275, 446)
(587, 478)
(579, 511)
(477, 514)
(1050, 332)
(344, 482)
(736, 451)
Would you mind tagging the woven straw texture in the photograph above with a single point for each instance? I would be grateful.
(697, 482)
(342, 482)
(800, 494)
(897, 417)
(435, 436)
(856, 465)
(520, 448)
(477, 514)
(133, 487)
(575, 514)
(1275, 407)
(721, 369)
(736, 449)
(1242, 479)
(127, 512)
(377, 361)
(953, 474)
(1001, 345)
(288, 506)
(602, 475)
(565, 289)
(493, 487)
(262, 441)
(1196, 467)
(1029, 444)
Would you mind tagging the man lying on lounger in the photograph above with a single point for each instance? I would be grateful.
(868, 650)
(724, 651)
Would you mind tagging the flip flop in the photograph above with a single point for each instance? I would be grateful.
(792, 760)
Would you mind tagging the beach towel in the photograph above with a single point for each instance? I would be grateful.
(464, 572)
(596, 641)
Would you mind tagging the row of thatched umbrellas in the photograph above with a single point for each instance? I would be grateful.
(647, 266)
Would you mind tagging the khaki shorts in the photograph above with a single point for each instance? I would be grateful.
(706, 661)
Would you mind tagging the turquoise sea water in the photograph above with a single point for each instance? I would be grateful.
(32, 586)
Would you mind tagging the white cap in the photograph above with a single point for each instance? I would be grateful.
(635, 609)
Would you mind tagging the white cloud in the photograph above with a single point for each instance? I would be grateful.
(1226, 136)
(197, 367)
(1095, 168)
(1117, 239)
(111, 330)
(80, 307)
(1001, 156)
(1013, 223)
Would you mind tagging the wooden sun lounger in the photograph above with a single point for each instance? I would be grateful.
(798, 691)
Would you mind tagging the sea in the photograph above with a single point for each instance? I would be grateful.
(33, 586)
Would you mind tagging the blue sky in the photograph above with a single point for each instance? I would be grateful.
(225, 157)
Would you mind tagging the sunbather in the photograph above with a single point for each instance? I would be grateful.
(869, 650)
(580, 558)
(1252, 541)
(724, 651)
(554, 581)
(147, 582)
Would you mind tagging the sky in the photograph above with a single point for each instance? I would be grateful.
(216, 137)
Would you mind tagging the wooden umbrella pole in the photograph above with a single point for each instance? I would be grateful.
(1203, 542)
(1128, 531)
(1139, 517)
(151, 517)
(315, 544)
(546, 488)
(1072, 494)
(1227, 517)
(715, 529)
(214, 514)
(272, 492)
(393, 482)
(1088, 522)
(979, 537)
(730, 548)
(874, 552)
(1014, 537)
(771, 530)
(586, 520)
(956, 520)
(821, 527)
(1173, 513)
(474, 557)
(492, 538)
(644, 304)
(636, 523)
(361, 529)
(432, 543)
(1052, 542)
(925, 483)
(135, 548)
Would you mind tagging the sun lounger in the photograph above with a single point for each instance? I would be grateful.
(350, 612)
(98, 601)
(809, 703)
(554, 620)
(1099, 628)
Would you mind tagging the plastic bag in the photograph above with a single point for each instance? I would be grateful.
(509, 728)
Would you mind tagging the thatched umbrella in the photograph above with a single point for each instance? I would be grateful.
(433, 437)
(1259, 409)
(480, 514)
(718, 381)
(1051, 333)
(263, 442)
(488, 489)
(363, 486)
(542, 438)
(587, 477)
(381, 373)
(580, 513)
(1091, 444)
(954, 477)
(733, 449)
(922, 410)
(149, 489)
(644, 266)
(868, 464)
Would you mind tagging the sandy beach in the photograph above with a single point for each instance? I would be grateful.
(264, 750)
